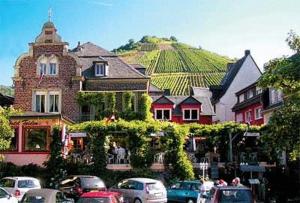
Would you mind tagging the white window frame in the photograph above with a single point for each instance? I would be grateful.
(54, 93)
(47, 69)
(47, 94)
(258, 90)
(98, 67)
(255, 115)
(246, 117)
(190, 118)
(275, 96)
(241, 98)
(250, 94)
(163, 109)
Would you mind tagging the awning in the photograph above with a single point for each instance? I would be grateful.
(252, 168)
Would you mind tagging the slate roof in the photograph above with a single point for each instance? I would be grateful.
(89, 53)
(207, 108)
(153, 88)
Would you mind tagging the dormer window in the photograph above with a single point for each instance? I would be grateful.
(100, 69)
(190, 114)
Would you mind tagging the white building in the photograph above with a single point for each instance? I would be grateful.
(240, 74)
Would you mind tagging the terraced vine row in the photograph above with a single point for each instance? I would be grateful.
(180, 83)
(149, 60)
(169, 61)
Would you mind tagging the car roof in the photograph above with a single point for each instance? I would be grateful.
(232, 187)
(83, 176)
(144, 180)
(99, 194)
(189, 181)
(48, 194)
(21, 178)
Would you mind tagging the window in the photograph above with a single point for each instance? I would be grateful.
(258, 90)
(250, 94)
(36, 139)
(47, 65)
(248, 116)
(241, 98)
(43, 69)
(163, 114)
(46, 101)
(275, 96)
(53, 102)
(99, 69)
(6, 182)
(258, 113)
(239, 117)
(52, 70)
(40, 102)
(190, 114)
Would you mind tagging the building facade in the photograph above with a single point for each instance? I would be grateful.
(248, 108)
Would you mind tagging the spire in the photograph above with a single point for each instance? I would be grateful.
(49, 14)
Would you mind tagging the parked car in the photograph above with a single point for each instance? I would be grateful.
(184, 191)
(45, 196)
(141, 190)
(6, 197)
(226, 194)
(19, 185)
(76, 185)
(103, 197)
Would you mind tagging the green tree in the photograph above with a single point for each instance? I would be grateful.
(283, 129)
(6, 132)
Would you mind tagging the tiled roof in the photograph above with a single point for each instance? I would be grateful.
(6, 100)
(153, 88)
(207, 108)
(89, 53)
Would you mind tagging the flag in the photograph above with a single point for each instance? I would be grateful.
(41, 77)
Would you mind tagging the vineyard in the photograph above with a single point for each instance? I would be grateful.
(177, 66)
(180, 83)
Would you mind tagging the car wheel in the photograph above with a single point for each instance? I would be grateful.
(190, 201)
(137, 200)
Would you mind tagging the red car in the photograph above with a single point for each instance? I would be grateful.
(229, 194)
(101, 197)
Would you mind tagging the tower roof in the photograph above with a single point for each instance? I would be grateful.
(48, 24)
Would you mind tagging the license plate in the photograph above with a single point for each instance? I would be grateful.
(157, 194)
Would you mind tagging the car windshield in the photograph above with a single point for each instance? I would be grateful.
(91, 182)
(240, 196)
(28, 184)
(93, 200)
(7, 183)
(155, 186)
(33, 199)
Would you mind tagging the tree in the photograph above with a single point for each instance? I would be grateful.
(283, 129)
(6, 132)
(173, 38)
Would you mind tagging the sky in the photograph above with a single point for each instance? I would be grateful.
(226, 27)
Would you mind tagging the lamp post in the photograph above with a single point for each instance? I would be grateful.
(203, 166)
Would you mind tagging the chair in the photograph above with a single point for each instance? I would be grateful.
(110, 158)
(121, 155)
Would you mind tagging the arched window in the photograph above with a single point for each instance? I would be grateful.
(47, 65)
(53, 65)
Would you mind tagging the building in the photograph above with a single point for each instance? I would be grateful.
(240, 75)
(248, 108)
(272, 99)
(48, 79)
(182, 109)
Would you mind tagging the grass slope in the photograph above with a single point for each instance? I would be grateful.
(173, 65)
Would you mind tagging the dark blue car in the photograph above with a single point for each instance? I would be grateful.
(184, 191)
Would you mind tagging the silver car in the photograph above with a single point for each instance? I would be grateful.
(141, 190)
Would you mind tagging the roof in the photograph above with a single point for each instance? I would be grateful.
(32, 114)
(206, 106)
(144, 180)
(21, 178)
(246, 88)
(153, 88)
(6, 100)
(89, 53)
(233, 69)
(253, 100)
(99, 194)
(48, 24)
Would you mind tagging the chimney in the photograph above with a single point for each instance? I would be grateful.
(78, 44)
(247, 52)
(229, 66)
(167, 92)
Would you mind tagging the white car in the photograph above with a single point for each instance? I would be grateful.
(18, 186)
(5, 197)
(141, 190)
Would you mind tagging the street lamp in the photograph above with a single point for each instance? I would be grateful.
(204, 167)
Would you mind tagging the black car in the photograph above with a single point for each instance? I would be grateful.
(74, 186)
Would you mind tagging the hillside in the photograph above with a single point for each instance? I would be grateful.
(174, 65)
(6, 90)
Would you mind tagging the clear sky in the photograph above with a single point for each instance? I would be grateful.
(226, 27)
